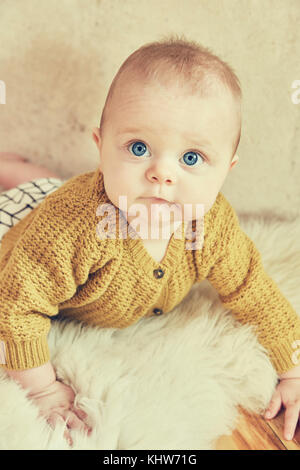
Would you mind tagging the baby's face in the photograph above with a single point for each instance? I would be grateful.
(160, 143)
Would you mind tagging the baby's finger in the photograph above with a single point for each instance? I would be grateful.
(73, 422)
(68, 438)
(53, 419)
(291, 420)
(56, 418)
(274, 405)
(80, 413)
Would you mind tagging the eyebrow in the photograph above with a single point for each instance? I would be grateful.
(193, 140)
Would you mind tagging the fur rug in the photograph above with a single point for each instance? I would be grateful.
(170, 382)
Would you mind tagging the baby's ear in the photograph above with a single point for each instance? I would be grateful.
(96, 136)
(234, 161)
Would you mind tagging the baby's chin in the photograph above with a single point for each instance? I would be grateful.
(162, 215)
(156, 228)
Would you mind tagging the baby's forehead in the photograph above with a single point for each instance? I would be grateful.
(135, 103)
(137, 92)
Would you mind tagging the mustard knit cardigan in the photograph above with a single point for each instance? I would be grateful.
(55, 263)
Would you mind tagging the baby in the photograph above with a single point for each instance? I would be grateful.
(168, 137)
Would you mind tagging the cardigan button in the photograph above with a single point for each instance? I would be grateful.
(158, 311)
(158, 273)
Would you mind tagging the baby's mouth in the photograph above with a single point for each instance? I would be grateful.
(157, 200)
(163, 204)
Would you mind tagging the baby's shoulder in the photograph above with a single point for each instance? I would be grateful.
(75, 198)
(74, 190)
(221, 214)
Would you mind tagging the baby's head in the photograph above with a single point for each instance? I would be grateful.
(170, 127)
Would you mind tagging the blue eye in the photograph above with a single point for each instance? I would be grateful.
(191, 158)
(138, 148)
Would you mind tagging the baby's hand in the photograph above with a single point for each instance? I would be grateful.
(55, 403)
(287, 393)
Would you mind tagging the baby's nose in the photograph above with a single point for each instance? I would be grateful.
(162, 175)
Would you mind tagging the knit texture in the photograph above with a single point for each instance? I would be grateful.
(56, 262)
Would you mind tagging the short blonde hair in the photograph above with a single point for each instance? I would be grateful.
(176, 60)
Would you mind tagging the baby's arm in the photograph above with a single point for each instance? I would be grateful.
(37, 273)
(250, 293)
(54, 399)
(254, 298)
(34, 379)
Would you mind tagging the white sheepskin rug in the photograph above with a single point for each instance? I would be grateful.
(169, 382)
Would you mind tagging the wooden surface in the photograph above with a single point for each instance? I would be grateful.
(253, 432)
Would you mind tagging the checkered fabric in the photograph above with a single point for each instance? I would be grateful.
(17, 202)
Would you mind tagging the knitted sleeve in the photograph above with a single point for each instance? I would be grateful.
(252, 295)
(41, 270)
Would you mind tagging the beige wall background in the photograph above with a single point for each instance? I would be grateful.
(58, 58)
